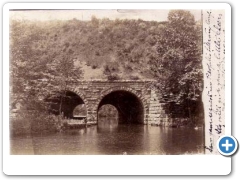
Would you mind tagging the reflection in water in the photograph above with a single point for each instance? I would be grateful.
(107, 123)
(109, 137)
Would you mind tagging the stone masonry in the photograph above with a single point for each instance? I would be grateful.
(93, 91)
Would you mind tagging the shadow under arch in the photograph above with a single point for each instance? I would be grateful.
(65, 102)
(129, 106)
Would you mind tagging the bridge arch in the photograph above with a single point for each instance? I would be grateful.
(130, 104)
(67, 104)
(81, 95)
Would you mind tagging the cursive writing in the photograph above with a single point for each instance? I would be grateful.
(214, 76)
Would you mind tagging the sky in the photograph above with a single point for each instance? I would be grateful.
(85, 15)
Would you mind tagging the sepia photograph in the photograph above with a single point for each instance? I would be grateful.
(107, 82)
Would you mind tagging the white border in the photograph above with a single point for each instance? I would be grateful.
(113, 165)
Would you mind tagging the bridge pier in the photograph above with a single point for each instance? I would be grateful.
(91, 117)
(156, 113)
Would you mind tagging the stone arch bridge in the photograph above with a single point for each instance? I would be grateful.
(135, 100)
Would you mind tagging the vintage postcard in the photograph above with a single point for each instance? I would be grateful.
(109, 80)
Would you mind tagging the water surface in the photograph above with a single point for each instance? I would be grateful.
(110, 138)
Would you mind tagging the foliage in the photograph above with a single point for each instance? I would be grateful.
(108, 111)
(36, 46)
(40, 67)
(134, 77)
(113, 77)
(47, 57)
(80, 110)
(30, 122)
(178, 64)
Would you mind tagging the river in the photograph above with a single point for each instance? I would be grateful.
(109, 138)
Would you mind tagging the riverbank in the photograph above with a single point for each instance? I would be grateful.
(24, 124)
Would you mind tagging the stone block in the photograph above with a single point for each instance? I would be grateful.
(154, 115)
(153, 112)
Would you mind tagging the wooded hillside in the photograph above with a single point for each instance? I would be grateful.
(46, 56)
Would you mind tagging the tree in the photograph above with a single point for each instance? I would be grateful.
(178, 64)
(39, 68)
(95, 21)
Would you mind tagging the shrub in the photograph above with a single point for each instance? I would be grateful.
(113, 77)
(27, 122)
(133, 77)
